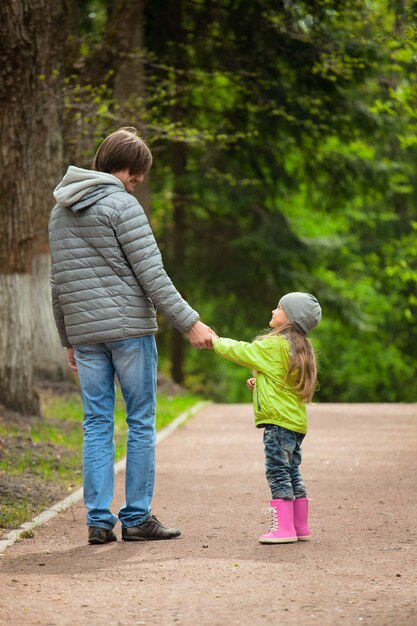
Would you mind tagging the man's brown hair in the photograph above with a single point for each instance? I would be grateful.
(123, 150)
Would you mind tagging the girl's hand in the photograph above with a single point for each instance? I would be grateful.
(250, 383)
(212, 337)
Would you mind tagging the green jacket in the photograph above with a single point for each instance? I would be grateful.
(273, 401)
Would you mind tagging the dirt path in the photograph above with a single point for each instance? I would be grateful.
(360, 466)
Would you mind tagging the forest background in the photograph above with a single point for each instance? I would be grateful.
(285, 143)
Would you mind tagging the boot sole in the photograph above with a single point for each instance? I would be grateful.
(283, 540)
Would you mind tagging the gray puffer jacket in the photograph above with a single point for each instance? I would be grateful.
(107, 274)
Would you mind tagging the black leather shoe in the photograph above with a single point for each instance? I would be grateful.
(100, 535)
(149, 530)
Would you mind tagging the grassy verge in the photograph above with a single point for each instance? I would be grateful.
(40, 457)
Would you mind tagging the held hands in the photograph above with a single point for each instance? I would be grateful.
(71, 359)
(212, 338)
(250, 383)
(201, 336)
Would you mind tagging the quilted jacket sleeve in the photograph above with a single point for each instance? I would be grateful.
(58, 314)
(141, 250)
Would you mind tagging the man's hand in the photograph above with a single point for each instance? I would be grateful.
(250, 383)
(200, 336)
(71, 359)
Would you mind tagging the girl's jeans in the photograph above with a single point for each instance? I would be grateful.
(282, 459)
(134, 361)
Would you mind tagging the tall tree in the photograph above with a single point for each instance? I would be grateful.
(31, 40)
(105, 75)
(254, 82)
(126, 30)
(299, 125)
(176, 32)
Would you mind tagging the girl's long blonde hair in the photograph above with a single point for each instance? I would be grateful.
(302, 368)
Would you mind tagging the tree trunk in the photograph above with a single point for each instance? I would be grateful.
(30, 37)
(178, 168)
(49, 357)
(129, 82)
(16, 355)
(179, 165)
(117, 61)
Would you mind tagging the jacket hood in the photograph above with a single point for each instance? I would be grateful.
(81, 188)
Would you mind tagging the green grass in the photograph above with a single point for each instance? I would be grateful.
(68, 410)
(55, 439)
(13, 514)
(47, 451)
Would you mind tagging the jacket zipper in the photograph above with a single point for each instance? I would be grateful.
(257, 398)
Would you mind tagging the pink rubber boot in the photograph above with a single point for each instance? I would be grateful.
(301, 519)
(282, 530)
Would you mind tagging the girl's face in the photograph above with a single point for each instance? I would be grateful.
(129, 180)
(278, 318)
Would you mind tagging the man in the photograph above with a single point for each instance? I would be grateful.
(107, 279)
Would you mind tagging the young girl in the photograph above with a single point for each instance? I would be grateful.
(285, 369)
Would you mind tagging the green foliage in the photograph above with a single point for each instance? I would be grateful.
(285, 141)
(14, 513)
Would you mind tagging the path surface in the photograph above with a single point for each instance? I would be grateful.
(360, 466)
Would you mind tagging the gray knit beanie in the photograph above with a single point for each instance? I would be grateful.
(302, 310)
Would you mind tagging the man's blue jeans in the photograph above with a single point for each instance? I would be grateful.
(134, 361)
(282, 460)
